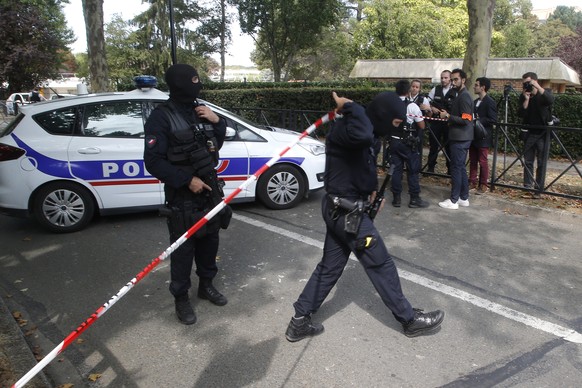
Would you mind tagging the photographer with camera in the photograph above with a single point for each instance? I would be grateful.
(181, 149)
(441, 98)
(535, 104)
(405, 142)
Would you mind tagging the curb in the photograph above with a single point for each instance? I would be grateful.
(16, 357)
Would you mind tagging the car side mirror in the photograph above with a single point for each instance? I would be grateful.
(230, 133)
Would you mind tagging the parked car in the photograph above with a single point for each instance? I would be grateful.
(17, 98)
(66, 160)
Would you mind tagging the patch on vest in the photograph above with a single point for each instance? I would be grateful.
(151, 141)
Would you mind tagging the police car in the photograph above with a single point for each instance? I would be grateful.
(65, 161)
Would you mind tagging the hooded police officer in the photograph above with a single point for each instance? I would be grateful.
(350, 181)
(181, 150)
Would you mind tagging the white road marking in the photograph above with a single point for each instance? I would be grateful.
(528, 320)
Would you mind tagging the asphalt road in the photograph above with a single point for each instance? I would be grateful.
(508, 278)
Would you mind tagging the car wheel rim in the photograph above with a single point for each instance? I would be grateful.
(283, 188)
(63, 208)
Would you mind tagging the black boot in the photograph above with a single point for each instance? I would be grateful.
(207, 291)
(416, 202)
(184, 310)
(396, 200)
(423, 323)
(302, 327)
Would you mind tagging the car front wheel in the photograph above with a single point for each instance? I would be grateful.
(63, 207)
(281, 187)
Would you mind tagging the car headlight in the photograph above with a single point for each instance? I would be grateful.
(315, 149)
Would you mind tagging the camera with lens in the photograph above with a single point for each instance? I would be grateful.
(528, 87)
(554, 121)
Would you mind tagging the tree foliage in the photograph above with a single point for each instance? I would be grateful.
(34, 37)
(547, 36)
(411, 29)
(567, 15)
(281, 28)
(570, 50)
(197, 31)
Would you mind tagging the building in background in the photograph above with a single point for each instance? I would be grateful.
(552, 72)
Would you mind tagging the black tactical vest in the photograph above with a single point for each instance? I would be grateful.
(192, 143)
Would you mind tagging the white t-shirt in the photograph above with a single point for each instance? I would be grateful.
(413, 112)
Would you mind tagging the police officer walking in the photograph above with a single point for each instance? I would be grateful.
(181, 149)
(350, 181)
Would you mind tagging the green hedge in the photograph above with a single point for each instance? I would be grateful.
(317, 97)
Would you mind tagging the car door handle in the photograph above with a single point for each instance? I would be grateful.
(89, 150)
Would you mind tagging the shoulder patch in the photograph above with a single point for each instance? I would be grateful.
(151, 141)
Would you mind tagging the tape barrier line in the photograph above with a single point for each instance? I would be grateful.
(125, 289)
(426, 117)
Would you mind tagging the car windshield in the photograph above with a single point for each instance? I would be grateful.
(238, 117)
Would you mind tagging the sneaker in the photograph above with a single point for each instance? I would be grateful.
(463, 202)
(207, 291)
(302, 327)
(448, 204)
(184, 310)
(423, 323)
(417, 203)
(480, 191)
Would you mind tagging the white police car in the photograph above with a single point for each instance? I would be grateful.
(63, 161)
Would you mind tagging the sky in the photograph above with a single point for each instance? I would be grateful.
(239, 50)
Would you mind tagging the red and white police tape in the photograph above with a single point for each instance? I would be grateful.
(103, 309)
(427, 117)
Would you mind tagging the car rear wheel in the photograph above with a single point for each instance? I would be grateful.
(281, 187)
(63, 207)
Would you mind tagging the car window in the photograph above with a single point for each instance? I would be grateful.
(113, 119)
(57, 122)
(242, 132)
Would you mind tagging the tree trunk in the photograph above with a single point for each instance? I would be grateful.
(479, 41)
(93, 13)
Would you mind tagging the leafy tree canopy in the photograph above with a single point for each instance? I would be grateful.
(34, 42)
(567, 15)
(411, 29)
(570, 50)
(281, 28)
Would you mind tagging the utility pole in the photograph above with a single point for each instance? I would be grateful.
(172, 32)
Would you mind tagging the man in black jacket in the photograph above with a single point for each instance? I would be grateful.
(486, 111)
(181, 149)
(535, 109)
(460, 122)
(350, 181)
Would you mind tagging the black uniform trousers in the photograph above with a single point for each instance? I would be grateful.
(375, 259)
(400, 155)
(199, 250)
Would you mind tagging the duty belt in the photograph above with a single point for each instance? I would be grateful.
(346, 204)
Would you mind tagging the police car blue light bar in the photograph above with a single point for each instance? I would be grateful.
(145, 81)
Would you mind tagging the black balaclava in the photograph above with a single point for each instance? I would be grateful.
(179, 80)
(383, 109)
